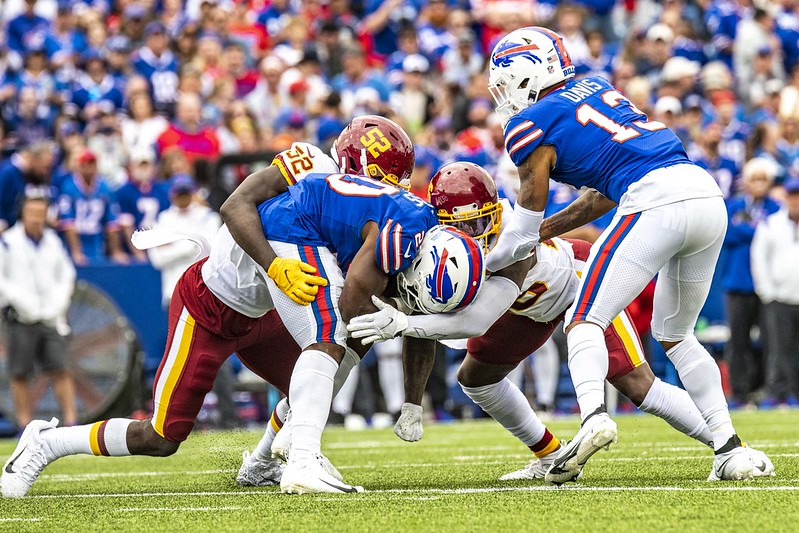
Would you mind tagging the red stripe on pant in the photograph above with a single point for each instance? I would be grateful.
(322, 302)
(598, 266)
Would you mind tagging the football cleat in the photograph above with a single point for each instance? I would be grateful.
(255, 473)
(30, 457)
(596, 432)
(732, 462)
(308, 475)
(536, 469)
(762, 465)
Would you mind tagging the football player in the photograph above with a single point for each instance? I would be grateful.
(221, 305)
(516, 312)
(670, 222)
(367, 226)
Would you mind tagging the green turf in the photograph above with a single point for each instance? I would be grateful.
(653, 479)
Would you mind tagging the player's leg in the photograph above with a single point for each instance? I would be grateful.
(389, 372)
(321, 333)
(546, 368)
(631, 375)
(683, 285)
(621, 263)
(483, 377)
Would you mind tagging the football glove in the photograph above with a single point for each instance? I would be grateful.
(386, 323)
(296, 279)
(409, 424)
(517, 240)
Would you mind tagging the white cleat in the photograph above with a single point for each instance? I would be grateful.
(28, 460)
(536, 469)
(733, 462)
(309, 476)
(762, 465)
(597, 431)
(255, 473)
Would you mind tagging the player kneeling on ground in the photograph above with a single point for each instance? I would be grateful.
(516, 312)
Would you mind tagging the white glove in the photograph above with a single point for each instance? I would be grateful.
(517, 240)
(384, 324)
(409, 425)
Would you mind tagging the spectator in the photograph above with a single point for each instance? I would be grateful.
(414, 100)
(26, 172)
(142, 127)
(36, 284)
(236, 61)
(775, 254)
(354, 77)
(88, 215)
(142, 198)
(461, 62)
(104, 136)
(27, 30)
(188, 133)
(265, 100)
(745, 213)
(597, 62)
(707, 154)
(27, 126)
(185, 214)
(158, 65)
(96, 87)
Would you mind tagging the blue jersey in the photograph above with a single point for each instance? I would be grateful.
(139, 205)
(331, 210)
(90, 212)
(602, 140)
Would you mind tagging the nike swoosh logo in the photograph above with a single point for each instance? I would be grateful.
(339, 487)
(761, 466)
(407, 254)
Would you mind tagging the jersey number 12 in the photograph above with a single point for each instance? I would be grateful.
(621, 133)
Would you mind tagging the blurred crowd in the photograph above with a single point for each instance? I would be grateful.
(109, 107)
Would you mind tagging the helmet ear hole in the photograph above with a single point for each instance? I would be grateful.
(524, 83)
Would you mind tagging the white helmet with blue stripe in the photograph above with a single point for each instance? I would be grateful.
(446, 274)
(524, 63)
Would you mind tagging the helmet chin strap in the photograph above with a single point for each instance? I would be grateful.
(364, 161)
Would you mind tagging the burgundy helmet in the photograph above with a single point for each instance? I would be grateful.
(465, 196)
(376, 147)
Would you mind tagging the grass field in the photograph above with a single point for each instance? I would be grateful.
(653, 479)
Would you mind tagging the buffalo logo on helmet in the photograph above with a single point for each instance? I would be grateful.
(439, 283)
(507, 51)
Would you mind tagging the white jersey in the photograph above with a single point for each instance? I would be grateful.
(232, 275)
(551, 285)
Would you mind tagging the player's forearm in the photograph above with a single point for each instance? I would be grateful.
(588, 207)
(495, 298)
(240, 213)
(418, 358)
(73, 241)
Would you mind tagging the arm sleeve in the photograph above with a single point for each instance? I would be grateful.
(522, 137)
(395, 249)
(495, 298)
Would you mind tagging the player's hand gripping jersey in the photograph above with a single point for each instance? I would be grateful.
(331, 210)
(604, 142)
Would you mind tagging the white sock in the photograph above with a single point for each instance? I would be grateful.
(546, 367)
(107, 437)
(675, 406)
(389, 372)
(263, 450)
(588, 365)
(701, 377)
(344, 398)
(507, 405)
(310, 395)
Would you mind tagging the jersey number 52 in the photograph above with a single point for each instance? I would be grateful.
(586, 113)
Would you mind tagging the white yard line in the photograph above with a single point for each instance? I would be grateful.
(21, 519)
(754, 486)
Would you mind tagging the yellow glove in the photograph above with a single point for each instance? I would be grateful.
(296, 279)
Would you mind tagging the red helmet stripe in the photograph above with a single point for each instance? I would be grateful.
(515, 49)
(476, 269)
(442, 266)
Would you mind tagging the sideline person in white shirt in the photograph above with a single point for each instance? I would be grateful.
(774, 257)
(184, 214)
(37, 279)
